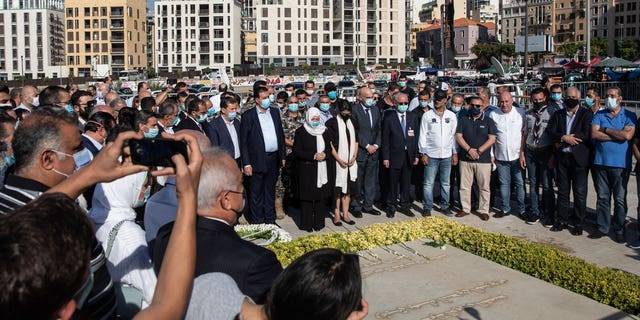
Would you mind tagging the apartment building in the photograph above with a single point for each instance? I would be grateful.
(151, 41)
(109, 33)
(431, 10)
(617, 20)
(571, 23)
(31, 39)
(512, 17)
(197, 34)
(321, 32)
(466, 34)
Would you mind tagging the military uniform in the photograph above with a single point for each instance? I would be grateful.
(289, 125)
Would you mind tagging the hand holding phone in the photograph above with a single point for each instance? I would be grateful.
(156, 152)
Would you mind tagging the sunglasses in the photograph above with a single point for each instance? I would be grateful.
(476, 105)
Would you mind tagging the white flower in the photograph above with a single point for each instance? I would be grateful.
(270, 232)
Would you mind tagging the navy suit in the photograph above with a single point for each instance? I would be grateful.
(88, 193)
(188, 124)
(265, 166)
(220, 249)
(400, 149)
(220, 137)
(368, 128)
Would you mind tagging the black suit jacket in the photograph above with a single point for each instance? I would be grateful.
(367, 135)
(395, 144)
(220, 249)
(219, 134)
(581, 128)
(188, 124)
(252, 142)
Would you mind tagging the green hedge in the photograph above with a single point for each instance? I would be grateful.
(618, 289)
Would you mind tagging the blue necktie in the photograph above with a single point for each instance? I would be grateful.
(404, 126)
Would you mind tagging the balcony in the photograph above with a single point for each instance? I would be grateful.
(371, 29)
(348, 29)
(117, 38)
(116, 26)
(204, 37)
(348, 17)
(203, 12)
(203, 25)
(117, 13)
(348, 4)
(205, 49)
(117, 50)
(117, 62)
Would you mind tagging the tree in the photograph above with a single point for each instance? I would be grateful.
(486, 50)
(599, 47)
(151, 72)
(508, 49)
(206, 70)
(628, 49)
(569, 49)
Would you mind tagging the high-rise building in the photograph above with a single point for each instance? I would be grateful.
(625, 15)
(571, 24)
(248, 43)
(431, 10)
(151, 40)
(31, 39)
(197, 34)
(321, 32)
(111, 33)
(512, 17)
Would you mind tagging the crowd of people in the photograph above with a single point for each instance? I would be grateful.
(88, 234)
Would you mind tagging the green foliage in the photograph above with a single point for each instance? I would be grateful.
(206, 70)
(508, 49)
(569, 49)
(151, 72)
(618, 289)
(599, 47)
(628, 49)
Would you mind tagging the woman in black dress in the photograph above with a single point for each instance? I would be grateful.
(312, 150)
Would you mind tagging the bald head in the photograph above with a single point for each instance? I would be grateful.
(505, 101)
(572, 93)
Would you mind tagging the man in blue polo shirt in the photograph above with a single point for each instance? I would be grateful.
(611, 132)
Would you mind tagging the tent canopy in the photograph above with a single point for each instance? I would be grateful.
(574, 65)
(616, 62)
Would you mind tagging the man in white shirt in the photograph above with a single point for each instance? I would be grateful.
(438, 151)
(508, 152)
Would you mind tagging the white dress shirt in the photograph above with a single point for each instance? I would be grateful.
(234, 138)
(510, 127)
(437, 134)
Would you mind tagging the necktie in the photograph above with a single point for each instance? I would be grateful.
(366, 110)
(404, 125)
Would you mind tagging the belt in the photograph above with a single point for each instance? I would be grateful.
(271, 154)
(545, 148)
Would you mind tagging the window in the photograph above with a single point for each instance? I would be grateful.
(265, 12)
(264, 24)
(287, 12)
(462, 47)
(218, 8)
(287, 25)
(264, 37)
(287, 38)
(218, 33)
(218, 45)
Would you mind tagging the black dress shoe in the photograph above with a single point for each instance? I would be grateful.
(577, 230)
(391, 213)
(619, 238)
(337, 223)
(407, 212)
(597, 235)
(426, 212)
(501, 214)
(356, 214)
(372, 212)
(558, 226)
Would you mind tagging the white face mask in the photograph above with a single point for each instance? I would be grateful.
(612, 103)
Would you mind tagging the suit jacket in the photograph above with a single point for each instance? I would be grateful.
(397, 145)
(252, 142)
(89, 145)
(367, 135)
(220, 249)
(581, 128)
(188, 124)
(219, 134)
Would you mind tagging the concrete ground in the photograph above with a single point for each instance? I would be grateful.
(453, 284)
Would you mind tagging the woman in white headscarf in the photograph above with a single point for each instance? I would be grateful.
(344, 149)
(124, 241)
(312, 150)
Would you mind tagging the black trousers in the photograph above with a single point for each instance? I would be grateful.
(367, 183)
(262, 192)
(571, 177)
(313, 214)
(400, 176)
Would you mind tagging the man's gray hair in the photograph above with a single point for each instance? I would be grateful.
(115, 102)
(572, 88)
(397, 95)
(216, 177)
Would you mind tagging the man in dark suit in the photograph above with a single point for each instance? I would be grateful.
(366, 118)
(224, 131)
(570, 128)
(400, 130)
(263, 153)
(219, 248)
(196, 116)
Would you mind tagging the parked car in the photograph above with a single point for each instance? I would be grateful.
(345, 83)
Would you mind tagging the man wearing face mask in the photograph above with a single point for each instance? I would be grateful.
(324, 105)
(400, 132)
(281, 99)
(555, 100)
(366, 118)
(289, 89)
(303, 102)
(196, 116)
(332, 92)
(83, 104)
(611, 132)
(28, 101)
(224, 131)
(219, 248)
(475, 135)
(310, 90)
(168, 115)
(592, 100)
(571, 130)
(539, 157)
(292, 119)
(403, 83)
(262, 148)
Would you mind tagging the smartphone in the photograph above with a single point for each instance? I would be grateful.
(156, 152)
(171, 81)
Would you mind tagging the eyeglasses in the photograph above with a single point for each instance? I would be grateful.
(476, 105)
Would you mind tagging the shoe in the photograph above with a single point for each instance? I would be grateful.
(446, 211)
(577, 230)
(501, 214)
(634, 245)
(559, 226)
(356, 214)
(372, 212)
(597, 235)
(407, 212)
(533, 219)
(426, 212)
(461, 214)
(337, 223)
(619, 238)
(484, 216)
(547, 222)
(391, 213)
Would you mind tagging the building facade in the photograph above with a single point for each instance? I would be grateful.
(571, 23)
(197, 34)
(431, 10)
(151, 41)
(32, 39)
(512, 17)
(103, 33)
(466, 33)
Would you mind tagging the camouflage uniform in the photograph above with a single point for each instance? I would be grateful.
(289, 125)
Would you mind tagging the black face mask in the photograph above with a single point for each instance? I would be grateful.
(345, 117)
(571, 103)
(474, 111)
(538, 105)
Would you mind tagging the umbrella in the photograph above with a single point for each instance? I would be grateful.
(574, 65)
(616, 62)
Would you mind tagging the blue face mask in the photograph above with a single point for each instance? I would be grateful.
(402, 84)
(455, 109)
(211, 112)
(402, 108)
(183, 107)
(175, 121)
(588, 101)
(612, 104)
(69, 108)
(152, 133)
(302, 104)
(424, 104)
(231, 116)
(265, 103)
(202, 118)
(315, 124)
(324, 107)
(369, 102)
(8, 161)
(140, 203)
(332, 95)
(272, 98)
(556, 96)
(293, 107)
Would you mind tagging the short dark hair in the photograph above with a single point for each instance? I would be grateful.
(258, 90)
(50, 95)
(393, 87)
(594, 91)
(181, 84)
(309, 81)
(39, 131)
(223, 85)
(167, 107)
(142, 118)
(4, 89)
(225, 101)
(75, 97)
(321, 284)
(5, 118)
(140, 85)
(289, 85)
(282, 95)
(538, 91)
(555, 86)
(147, 103)
(46, 247)
(99, 119)
(300, 91)
(91, 86)
(425, 92)
(257, 85)
(194, 105)
(183, 95)
(127, 119)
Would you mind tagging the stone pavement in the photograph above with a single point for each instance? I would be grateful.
(445, 284)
